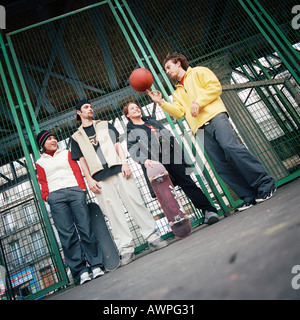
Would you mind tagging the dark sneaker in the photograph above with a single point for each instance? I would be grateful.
(210, 217)
(126, 258)
(265, 196)
(246, 205)
(157, 244)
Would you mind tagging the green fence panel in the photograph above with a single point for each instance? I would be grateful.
(237, 47)
(29, 253)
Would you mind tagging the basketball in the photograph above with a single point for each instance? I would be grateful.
(141, 79)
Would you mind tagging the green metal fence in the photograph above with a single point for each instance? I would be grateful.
(90, 53)
(29, 252)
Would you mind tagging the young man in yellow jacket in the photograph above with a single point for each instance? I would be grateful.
(197, 96)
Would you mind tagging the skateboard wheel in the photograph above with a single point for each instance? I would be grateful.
(171, 224)
(151, 179)
(166, 173)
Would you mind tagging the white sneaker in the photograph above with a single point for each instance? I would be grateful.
(157, 244)
(97, 272)
(85, 277)
(210, 217)
(126, 258)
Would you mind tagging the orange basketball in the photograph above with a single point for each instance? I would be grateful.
(141, 79)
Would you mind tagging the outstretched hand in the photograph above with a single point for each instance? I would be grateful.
(156, 96)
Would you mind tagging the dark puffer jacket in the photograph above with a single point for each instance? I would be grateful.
(143, 144)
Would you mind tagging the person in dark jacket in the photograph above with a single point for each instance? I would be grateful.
(148, 140)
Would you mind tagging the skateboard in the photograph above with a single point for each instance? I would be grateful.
(166, 195)
(111, 259)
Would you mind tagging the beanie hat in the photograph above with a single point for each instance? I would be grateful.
(79, 105)
(42, 137)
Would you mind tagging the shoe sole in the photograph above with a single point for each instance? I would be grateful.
(85, 281)
(244, 208)
(98, 275)
(157, 248)
(212, 220)
(125, 263)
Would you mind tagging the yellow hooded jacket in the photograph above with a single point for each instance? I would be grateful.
(201, 86)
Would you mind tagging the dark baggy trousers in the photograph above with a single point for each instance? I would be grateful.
(234, 163)
(182, 179)
(179, 176)
(71, 217)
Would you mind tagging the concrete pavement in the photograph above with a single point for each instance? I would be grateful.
(248, 255)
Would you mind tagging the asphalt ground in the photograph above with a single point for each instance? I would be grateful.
(254, 254)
